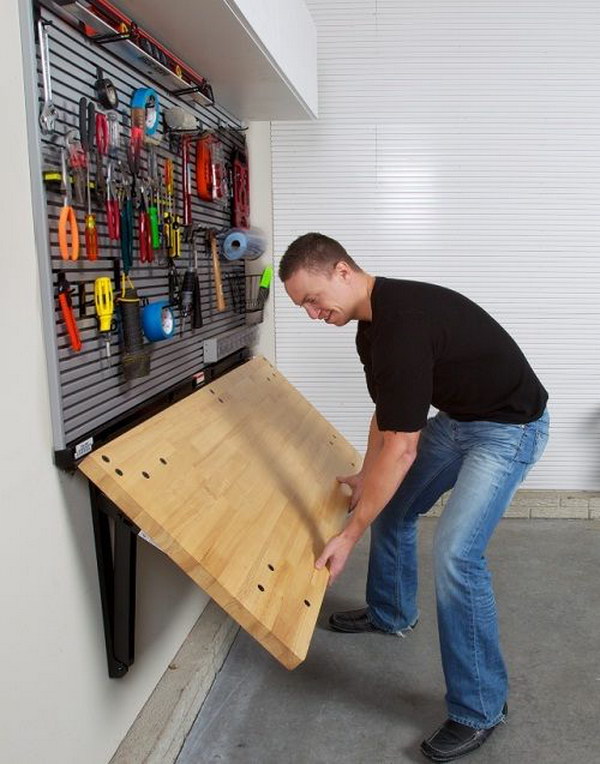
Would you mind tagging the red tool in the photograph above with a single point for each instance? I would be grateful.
(145, 235)
(66, 308)
(204, 169)
(113, 215)
(102, 135)
(219, 171)
(136, 139)
(240, 217)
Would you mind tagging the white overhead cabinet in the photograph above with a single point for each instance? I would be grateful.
(260, 56)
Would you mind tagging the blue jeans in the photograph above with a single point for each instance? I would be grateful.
(484, 463)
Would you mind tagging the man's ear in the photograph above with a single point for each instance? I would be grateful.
(342, 269)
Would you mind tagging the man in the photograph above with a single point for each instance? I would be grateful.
(421, 345)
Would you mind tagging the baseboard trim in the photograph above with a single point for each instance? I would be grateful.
(159, 731)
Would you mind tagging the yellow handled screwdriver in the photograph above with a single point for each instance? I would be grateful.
(104, 299)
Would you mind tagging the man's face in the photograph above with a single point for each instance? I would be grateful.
(326, 297)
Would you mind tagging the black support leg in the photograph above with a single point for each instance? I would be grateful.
(117, 579)
(125, 568)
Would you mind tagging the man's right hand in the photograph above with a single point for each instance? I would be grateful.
(355, 483)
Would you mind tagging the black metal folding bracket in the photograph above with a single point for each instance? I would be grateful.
(116, 556)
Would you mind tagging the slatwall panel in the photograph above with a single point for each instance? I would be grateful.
(457, 144)
(92, 389)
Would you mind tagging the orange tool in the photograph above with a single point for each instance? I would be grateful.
(67, 222)
(66, 307)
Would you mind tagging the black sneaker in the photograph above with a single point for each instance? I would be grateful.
(357, 622)
(453, 740)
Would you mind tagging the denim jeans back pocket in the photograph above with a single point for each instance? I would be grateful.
(533, 443)
(541, 440)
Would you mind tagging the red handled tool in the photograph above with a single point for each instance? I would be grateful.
(66, 308)
(101, 151)
(240, 203)
(145, 235)
(113, 214)
(204, 169)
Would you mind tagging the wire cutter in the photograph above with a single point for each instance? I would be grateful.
(126, 226)
(112, 204)
(67, 222)
(145, 237)
(101, 151)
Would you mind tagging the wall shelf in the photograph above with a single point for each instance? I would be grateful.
(259, 56)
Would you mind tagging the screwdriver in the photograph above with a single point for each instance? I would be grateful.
(154, 199)
(168, 217)
(104, 300)
(172, 223)
(87, 114)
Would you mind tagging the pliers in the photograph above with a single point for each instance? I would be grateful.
(112, 204)
(67, 222)
(145, 236)
(101, 151)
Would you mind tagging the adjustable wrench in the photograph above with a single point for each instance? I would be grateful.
(49, 112)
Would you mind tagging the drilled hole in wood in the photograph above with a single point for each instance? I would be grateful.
(261, 587)
(105, 458)
(307, 603)
(162, 460)
(119, 472)
(270, 567)
(146, 475)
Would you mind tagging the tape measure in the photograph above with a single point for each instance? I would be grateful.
(147, 99)
(158, 321)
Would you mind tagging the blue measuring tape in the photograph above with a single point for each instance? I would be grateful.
(158, 321)
(147, 99)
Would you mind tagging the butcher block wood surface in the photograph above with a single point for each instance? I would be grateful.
(236, 484)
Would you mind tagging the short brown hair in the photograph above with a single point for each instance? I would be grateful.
(314, 252)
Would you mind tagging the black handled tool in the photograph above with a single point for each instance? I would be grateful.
(106, 93)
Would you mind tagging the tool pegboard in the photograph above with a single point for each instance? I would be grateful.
(100, 387)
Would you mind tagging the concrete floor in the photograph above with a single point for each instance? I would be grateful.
(362, 699)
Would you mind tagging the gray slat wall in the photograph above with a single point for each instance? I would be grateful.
(91, 388)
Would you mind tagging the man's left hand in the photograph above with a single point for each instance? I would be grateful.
(336, 553)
